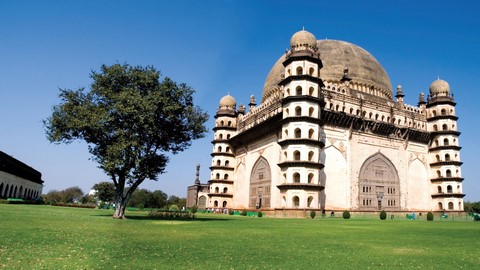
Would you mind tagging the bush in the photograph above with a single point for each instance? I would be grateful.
(174, 208)
(383, 215)
(194, 209)
(231, 212)
(243, 213)
(313, 214)
(346, 214)
(259, 214)
(429, 216)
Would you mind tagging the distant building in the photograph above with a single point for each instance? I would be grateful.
(331, 134)
(18, 180)
(198, 193)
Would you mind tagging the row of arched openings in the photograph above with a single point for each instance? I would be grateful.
(296, 201)
(448, 173)
(444, 127)
(296, 177)
(297, 133)
(226, 163)
(225, 176)
(299, 71)
(299, 91)
(224, 204)
(372, 116)
(442, 112)
(13, 191)
(297, 156)
(449, 189)
(298, 111)
(450, 206)
(225, 190)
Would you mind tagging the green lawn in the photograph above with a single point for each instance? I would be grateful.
(47, 237)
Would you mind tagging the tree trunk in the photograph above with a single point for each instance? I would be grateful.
(120, 206)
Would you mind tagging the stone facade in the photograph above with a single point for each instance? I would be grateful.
(18, 180)
(329, 134)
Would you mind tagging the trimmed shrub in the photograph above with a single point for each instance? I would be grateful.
(383, 215)
(243, 213)
(259, 214)
(231, 212)
(430, 216)
(173, 208)
(313, 214)
(346, 214)
(194, 209)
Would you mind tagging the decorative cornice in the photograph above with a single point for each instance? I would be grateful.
(442, 117)
(312, 142)
(226, 168)
(445, 147)
(445, 163)
(302, 186)
(299, 163)
(448, 195)
(446, 179)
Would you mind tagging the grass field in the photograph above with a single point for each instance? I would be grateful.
(47, 237)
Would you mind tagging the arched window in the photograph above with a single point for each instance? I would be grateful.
(217, 176)
(218, 162)
(298, 91)
(309, 201)
(228, 136)
(225, 190)
(215, 204)
(310, 178)
(434, 113)
(225, 177)
(220, 136)
(437, 157)
(450, 206)
(435, 128)
(439, 174)
(227, 163)
(299, 70)
(298, 111)
(224, 204)
(296, 201)
(286, 133)
(310, 111)
(445, 141)
(310, 133)
(287, 112)
(449, 173)
(443, 112)
(310, 156)
(444, 127)
(439, 188)
(227, 149)
(449, 189)
(447, 157)
(296, 155)
(296, 178)
(217, 190)
(440, 206)
(298, 133)
(222, 123)
(310, 91)
(219, 149)
(229, 123)
(310, 71)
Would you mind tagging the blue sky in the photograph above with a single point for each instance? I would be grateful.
(217, 47)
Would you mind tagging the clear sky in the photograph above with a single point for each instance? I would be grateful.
(217, 47)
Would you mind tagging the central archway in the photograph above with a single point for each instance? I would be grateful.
(260, 184)
(378, 185)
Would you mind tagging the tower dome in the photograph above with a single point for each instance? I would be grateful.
(228, 101)
(439, 87)
(303, 38)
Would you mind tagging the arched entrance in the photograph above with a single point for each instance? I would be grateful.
(378, 185)
(202, 202)
(260, 184)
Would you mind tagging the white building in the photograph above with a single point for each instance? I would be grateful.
(18, 180)
(330, 134)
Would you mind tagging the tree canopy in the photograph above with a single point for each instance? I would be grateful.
(130, 120)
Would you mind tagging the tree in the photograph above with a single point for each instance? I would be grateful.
(158, 199)
(72, 194)
(131, 121)
(105, 191)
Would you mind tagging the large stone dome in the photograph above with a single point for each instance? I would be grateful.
(336, 56)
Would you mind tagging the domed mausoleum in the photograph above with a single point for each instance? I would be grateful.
(330, 134)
